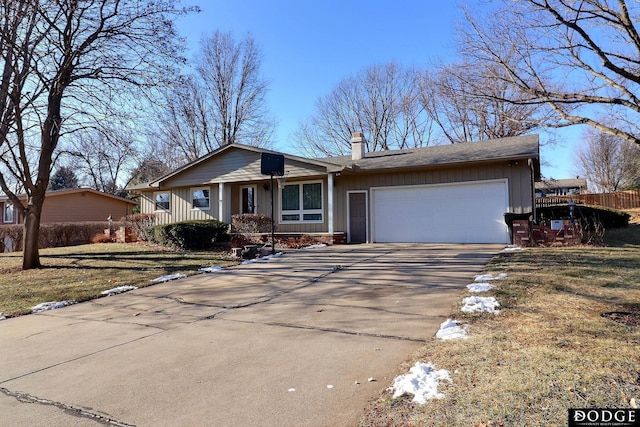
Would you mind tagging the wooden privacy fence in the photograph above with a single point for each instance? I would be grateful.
(620, 200)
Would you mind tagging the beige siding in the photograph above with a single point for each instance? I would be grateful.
(518, 177)
(83, 206)
(180, 205)
(146, 202)
(263, 197)
(235, 165)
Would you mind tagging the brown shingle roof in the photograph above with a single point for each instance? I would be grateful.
(499, 149)
(518, 147)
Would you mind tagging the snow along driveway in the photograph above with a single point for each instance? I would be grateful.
(307, 338)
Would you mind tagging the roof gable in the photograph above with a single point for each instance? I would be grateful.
(237, 163)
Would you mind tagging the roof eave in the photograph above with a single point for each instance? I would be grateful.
(331, 167)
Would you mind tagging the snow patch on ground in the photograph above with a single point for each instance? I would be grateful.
(168, 277)
(480, 287)
(451, 330)
(489, 277)
(50, 305)
(320, 245)
(2, 317)
(212, 269)
(422, 381)
(480, 305)
(118, 290)
(264, 258)
(512, 249)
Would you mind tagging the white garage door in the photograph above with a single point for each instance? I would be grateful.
(471, 212)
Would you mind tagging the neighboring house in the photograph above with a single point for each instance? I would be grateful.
(447, 193)
(561, 187)
(72, 205)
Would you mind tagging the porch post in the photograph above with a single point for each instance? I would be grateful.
(221, 206)
(330, 203)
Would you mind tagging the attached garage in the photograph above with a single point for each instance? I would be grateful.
(468, 212)
(451, 193)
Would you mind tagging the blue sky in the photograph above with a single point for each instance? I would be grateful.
(310, 46)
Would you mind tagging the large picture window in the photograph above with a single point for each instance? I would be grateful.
(302, 202)
(162, 201)
(8, 213)
(200, 198)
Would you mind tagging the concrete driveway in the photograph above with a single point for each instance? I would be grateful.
(276, 343)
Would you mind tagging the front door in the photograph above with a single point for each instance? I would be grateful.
(357, 232)
(248, 200)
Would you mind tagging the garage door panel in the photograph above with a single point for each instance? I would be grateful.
(457, 213)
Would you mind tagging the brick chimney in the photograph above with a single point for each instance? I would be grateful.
(357, 145)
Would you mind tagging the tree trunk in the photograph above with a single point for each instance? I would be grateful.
(31, 234)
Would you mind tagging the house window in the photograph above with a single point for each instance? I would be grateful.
(302, 202)
(200, 198)
(248, 200)
(162, 201)
(8, 213)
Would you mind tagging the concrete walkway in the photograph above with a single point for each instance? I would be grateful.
(276, 343)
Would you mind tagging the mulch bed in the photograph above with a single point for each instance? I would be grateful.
(624, 317)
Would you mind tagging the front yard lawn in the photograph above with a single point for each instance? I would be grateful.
(552, 347)
(81, 273)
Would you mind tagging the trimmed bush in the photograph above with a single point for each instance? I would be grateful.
(590, 216)
(54, 235)
(191, 234)
(249, 229)
(251, 224)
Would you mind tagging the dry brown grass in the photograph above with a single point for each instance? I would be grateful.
(549, 349)
(81, 273)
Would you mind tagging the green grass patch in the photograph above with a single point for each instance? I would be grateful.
(81, 273)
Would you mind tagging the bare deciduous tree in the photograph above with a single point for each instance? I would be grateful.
(64, 63)
(468, 105)
(631, 153)
(102, 158)
(578, 60)
(222, 102)
(383, 101)
(185, 124)
(230, 72)
(609, 162)
(148, 169)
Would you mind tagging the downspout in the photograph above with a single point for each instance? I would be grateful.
(533, 188)
(221, 205)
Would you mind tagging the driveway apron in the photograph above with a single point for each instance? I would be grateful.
(306, 339)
